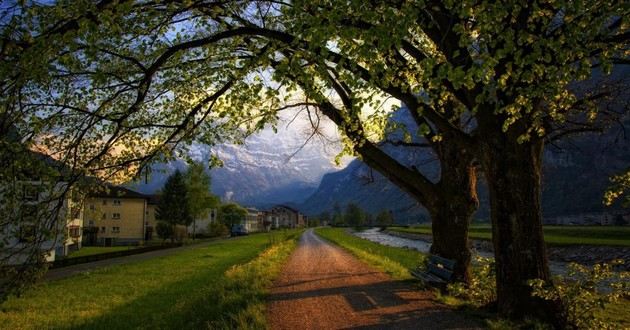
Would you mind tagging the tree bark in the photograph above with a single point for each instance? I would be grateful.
(452, 210)
(451, 202)
(513, 172)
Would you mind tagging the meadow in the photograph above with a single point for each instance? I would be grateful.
(554, 235)
(217, 285)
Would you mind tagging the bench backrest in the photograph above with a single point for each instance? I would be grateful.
(441, 267)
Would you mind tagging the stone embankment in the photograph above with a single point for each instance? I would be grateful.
(582, 254)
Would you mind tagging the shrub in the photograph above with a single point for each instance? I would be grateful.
(216, 229)
(164, 230)
(482, 288)
(585, 292)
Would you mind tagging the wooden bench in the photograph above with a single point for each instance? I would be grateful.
(438, 272)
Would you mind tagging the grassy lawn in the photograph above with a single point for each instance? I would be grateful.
(218, 285)
(554, 235)
(393, 261)
(92, 250)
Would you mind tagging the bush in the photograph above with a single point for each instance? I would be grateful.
(164, 230)
(482, 289)
(585, 292)
(216, 229)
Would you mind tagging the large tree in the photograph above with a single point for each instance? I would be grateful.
(231, 214)
(174, 204)
(200, 199)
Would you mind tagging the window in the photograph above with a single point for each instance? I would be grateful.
(115, 215)
(92, 207)
(74, 231)
(103, 230)
(115, 230)
(91, 223)
(30, 193)
(104, 202)
(104, 215)
(116, 202)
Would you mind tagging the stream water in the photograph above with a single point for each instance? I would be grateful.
(377, 236)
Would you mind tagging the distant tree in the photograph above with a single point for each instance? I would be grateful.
(338, 218)
(354, 215)
(324, 218)
(164, 230)
(369, 219)
(313, 222)
(385, 218)
(201, 201)
(231, 213)
(174, 207)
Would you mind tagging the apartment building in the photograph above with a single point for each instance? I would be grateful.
(118, 216)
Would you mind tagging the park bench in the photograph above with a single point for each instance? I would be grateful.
(437, 273)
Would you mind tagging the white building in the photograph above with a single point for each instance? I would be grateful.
(200, 226)
(49, 223)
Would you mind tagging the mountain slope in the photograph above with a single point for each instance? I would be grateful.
(575, 175)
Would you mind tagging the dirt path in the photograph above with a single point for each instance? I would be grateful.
(324, 287)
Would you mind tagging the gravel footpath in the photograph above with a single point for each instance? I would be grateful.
(324, 287)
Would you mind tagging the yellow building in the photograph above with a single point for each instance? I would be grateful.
(116, 216)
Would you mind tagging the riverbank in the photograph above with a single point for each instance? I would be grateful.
(583, 254)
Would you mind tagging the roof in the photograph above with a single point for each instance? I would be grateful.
(287, 207)
(153, 199)
(112, 191)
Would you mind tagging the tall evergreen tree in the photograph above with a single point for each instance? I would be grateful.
(174, 205)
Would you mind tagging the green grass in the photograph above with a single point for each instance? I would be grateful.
(92, 250)
(554, 235)
(393, 261)
(218, 285)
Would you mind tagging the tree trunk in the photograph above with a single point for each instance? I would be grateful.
(452, 210)
(450, 238)
(513, 172)
(451, 201)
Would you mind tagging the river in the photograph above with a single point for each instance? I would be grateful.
(375, 235)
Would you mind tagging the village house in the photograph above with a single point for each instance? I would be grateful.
(200, 226)
(253, 220)
(282, 216)
(118, 216)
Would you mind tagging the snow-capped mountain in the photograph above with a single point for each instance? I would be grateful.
(269, 168)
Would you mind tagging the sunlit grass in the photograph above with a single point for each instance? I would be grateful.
(196, 288)
(393, 261)
(554, 235)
